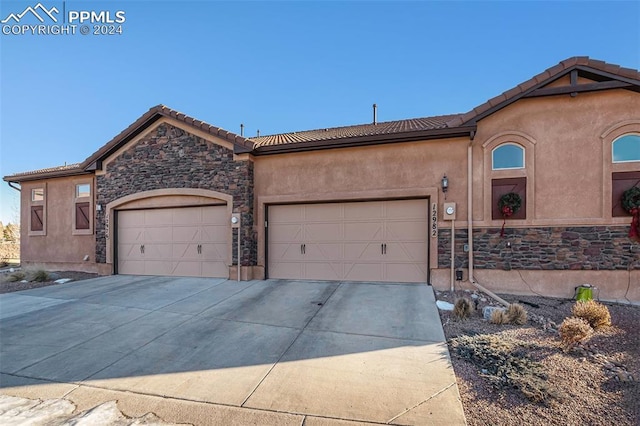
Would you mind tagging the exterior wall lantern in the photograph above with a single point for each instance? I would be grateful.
(445, 185)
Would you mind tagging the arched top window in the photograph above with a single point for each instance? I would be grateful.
(626, 148)
(507, 156)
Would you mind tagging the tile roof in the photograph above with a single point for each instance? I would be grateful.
(242, 144)
(67, 169)
(360, 130)
(541, 79)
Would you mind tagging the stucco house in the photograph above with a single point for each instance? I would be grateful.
(172, 195)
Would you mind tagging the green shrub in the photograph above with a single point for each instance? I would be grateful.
(574, 330)
(516, 314)
(462, 309)
(595, 313)
(39, 275)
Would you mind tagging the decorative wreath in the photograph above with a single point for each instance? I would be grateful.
(509, 205)
(631, 203)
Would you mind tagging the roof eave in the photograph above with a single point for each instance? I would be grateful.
(445, 133)
(46, 175)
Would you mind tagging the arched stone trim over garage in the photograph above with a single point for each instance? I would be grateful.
(163, 198)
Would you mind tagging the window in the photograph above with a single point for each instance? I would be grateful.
(37, 218)
(83, 190)
(626, 148)
(37, 212)
(37, 194)
(500, 187)
(508, 156)
(82, 217)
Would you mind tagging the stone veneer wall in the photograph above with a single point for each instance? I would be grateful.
(544, 248)
(172, 158)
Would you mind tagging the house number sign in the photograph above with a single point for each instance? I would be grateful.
(434, 220)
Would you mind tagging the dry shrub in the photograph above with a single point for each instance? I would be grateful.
(505, 362)
(499, 317)
(516, 314)
(595, 313)
(462, 309)
(16, 276)
(574, 330)
(39, 275)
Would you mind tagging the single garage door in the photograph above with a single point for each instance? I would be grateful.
(362, 241)
(187, 241)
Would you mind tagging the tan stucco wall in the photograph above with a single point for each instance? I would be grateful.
(401, 170)
(568, 160)
(59, 248)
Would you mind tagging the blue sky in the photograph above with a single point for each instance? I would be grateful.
(281, 66)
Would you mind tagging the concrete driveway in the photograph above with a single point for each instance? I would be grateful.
(212, 351)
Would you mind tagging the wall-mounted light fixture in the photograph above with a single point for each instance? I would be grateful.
(445, 185)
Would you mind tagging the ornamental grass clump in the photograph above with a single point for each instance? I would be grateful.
(516, 314)
(572, 331)
(39, 275)
(499, 317)
(595, 313)
(16, 276)
(462, 308)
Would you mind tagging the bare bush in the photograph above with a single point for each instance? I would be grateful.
(463, 308)
(595, 313)
(574, 330)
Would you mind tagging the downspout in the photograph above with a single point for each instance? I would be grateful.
(14, 187)
(472, 280)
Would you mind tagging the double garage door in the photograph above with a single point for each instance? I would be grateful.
(361, 241)
(187, 241)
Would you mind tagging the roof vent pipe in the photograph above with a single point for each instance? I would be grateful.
(241, 129)
(258, 135)
(375, 114)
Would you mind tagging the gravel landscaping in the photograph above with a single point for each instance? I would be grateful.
(519, 374)
(7, 286)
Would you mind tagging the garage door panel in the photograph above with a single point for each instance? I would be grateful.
(323, 232)
(363, 211)
(406, 209)
(371, 251)
(323, 213)
(285, 233)
(214, 232)
(359, 241)
(130, 251)
(363, 231)
(411, 230)
(191, 241)
(286, 214)
(185, 233)
(134, 267)
(405, 272)
(213, 251)
(287, 270)
(158, 217)
(323, 251)
(363, 272)
(407, 251)
(324, 271)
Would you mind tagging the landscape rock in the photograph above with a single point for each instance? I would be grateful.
(487, 311)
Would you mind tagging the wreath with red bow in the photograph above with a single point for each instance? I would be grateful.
(631, 203)
(509, 205)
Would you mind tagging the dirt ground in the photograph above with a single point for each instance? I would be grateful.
(596, 383)
(7, 287)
